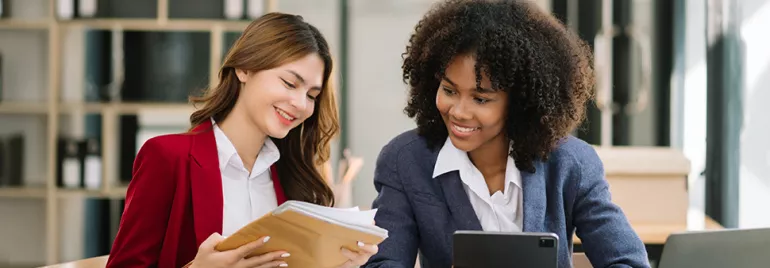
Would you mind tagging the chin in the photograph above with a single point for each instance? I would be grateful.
(277, 132)
(463, 145)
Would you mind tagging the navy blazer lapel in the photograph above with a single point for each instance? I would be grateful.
(457, 200)
(534, 198)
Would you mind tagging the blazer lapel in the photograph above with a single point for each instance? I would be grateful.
(458, 202)
(534, 198)
(206, 183)
(280, 196)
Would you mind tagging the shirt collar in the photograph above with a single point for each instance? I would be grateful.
(450, 159)
(268, 155)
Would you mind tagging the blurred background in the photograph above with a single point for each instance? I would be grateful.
(681, 119)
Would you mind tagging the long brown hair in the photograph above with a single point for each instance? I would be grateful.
(268, 42)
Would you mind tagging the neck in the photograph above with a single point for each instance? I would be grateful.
(246, 137)
(491, 158)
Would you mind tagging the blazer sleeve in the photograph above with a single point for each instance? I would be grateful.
(394, 213)
(147, 209)
(604, 230)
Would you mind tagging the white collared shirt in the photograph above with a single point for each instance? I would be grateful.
(247, 195)
(500, 212)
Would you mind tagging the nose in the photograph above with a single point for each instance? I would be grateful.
(299, 100)
(460, 111)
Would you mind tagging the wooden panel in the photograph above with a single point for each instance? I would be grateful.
(656, 234)
(22, 192)
(23, 24)
(648, 183)
(96, 262)
(651, 199)
(643, 160)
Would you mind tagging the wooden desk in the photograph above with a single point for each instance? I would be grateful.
(96, 262)
(579, 261)
(656, 234)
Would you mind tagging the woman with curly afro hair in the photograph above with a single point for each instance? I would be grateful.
(496, 88)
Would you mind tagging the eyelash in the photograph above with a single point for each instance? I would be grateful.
(289, 85)
(480, 100)
(450, 92)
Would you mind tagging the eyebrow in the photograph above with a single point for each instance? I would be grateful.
(485, 90)
(477, 89)
(302, 80)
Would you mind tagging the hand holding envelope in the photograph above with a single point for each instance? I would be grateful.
(359, 258)
(209, 257)
(313, 235)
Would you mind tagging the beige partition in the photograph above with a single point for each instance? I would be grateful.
(648, 183)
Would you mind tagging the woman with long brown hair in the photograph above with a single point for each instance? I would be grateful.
(255, 143)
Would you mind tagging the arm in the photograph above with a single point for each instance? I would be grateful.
(394, 214)
(147, 209)
(606, 234)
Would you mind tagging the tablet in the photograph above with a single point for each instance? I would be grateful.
(473, 249)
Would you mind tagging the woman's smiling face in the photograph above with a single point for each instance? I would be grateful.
(474, 116)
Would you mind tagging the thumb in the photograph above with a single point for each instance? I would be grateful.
(211, 241)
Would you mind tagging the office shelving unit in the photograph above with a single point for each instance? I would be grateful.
(54, 107)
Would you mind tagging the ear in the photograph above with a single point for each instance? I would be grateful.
(243, 76)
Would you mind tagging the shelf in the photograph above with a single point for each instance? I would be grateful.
(22, 192)
(12, 107)
(20, 24)
(127, 108)
(156, 25)
(113, 193)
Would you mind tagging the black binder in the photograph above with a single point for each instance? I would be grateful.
(12, 160)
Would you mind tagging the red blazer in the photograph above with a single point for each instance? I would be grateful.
(174, 201)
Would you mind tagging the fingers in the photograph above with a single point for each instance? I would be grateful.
(271, 259)
(347, 264)
(245, 250)
(360, 257)
(354, 258)
(349, 254)
(369, 249)
(211, 241)
(273, 264)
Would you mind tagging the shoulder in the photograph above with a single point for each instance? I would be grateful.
(166, 146)
(407, 142)
(406, 149)
(575, 154)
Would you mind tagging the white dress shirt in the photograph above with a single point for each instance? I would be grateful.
(247, 194)
(499, 212)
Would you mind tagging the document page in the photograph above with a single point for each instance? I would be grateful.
(348, 217)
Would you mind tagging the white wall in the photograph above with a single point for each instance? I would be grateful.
(755, 146)
(689, 106)
(689, 120)
(377, 96)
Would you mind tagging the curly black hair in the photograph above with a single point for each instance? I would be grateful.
(546, 70)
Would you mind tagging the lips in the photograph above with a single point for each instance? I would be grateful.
(463, 131)
(285, 117)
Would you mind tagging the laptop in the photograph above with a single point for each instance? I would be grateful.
(744, 248)
(476, 249)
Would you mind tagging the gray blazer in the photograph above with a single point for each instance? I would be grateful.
(566, 193)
